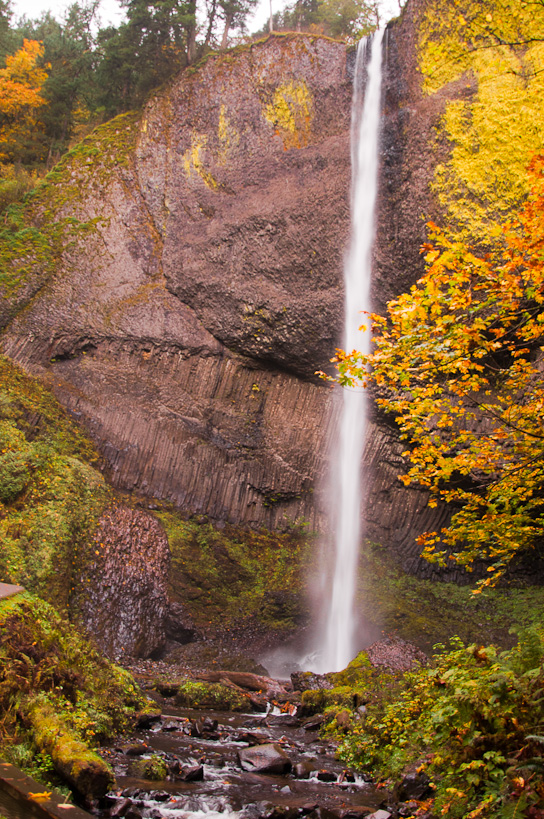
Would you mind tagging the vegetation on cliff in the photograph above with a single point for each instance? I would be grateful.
(227, 577)
(491, 58)
(50, 494)
(58, 697)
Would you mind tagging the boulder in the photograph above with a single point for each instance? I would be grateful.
(121, 600)
(180, 626)
(268, 758)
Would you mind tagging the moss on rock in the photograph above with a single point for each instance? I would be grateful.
(83, 769)
(226, 576)
(212, 696)
(51, 496)
(58, 695)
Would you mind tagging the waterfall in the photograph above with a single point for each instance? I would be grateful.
(338, 647)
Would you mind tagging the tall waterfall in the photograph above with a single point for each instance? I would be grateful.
(365, 129)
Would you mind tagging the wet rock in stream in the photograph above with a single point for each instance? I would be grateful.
(234, 766)
(269, 758)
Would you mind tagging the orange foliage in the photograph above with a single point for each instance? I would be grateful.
(21, 83)
(460, 362)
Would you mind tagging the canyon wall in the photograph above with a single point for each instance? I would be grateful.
(184, 322)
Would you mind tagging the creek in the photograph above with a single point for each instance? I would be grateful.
(203, 753)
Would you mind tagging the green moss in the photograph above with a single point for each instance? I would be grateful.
(212, 696)
(50, 494)
(229, 575)
(154, 768)
(494, 51)
(91, 164)
(81, 767)
(58, 696)
(351, 687)
(36, 233)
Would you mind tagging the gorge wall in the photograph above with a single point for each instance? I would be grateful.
(183, 322)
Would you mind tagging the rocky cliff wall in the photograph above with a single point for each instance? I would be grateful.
(186, 318)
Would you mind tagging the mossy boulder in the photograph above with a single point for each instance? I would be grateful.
(212, 696)
(154, 768)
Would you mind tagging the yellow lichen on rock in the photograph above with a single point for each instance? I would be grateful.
(495, 127)
(229, 137)
(193, 164)
(291, 112)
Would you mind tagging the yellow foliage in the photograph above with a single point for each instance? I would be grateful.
(493, 48)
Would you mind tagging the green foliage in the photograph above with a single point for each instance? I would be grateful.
(469, 721)
(15, 182)
(426, 612)
(44, 660)
(50, 495)
(229, 575)
(346, 19)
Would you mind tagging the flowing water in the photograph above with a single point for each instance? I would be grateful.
(338, 647)
(206, 779)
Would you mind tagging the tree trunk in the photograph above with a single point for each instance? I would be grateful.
(191, 34)
(228, 22)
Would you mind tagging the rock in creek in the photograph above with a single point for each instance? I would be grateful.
(269, 758)
(305, 768)
(307, 680)
(413, 786)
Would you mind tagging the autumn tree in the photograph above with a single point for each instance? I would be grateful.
(21, 101)
(71, 56)
(458, 361)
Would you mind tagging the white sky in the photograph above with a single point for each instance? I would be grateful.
(111, 12)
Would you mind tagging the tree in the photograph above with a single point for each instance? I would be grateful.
(234, 14)
(21, 101)
(70, 53)
(459, 362)
(8, 39)
(348, 19)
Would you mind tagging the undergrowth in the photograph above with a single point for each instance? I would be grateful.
(473, 721)
(44, 660)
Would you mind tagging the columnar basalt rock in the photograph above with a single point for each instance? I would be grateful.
(121, 599)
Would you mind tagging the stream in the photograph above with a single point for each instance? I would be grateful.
(204, 752)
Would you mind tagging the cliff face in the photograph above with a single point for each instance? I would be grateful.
(188, 315)
(203, 286)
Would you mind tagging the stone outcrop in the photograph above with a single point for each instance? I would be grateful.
(121, 600)
(184, 325)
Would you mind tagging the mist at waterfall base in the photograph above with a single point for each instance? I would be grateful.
(337, 642)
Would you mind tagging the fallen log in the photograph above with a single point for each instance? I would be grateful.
(74, 761)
